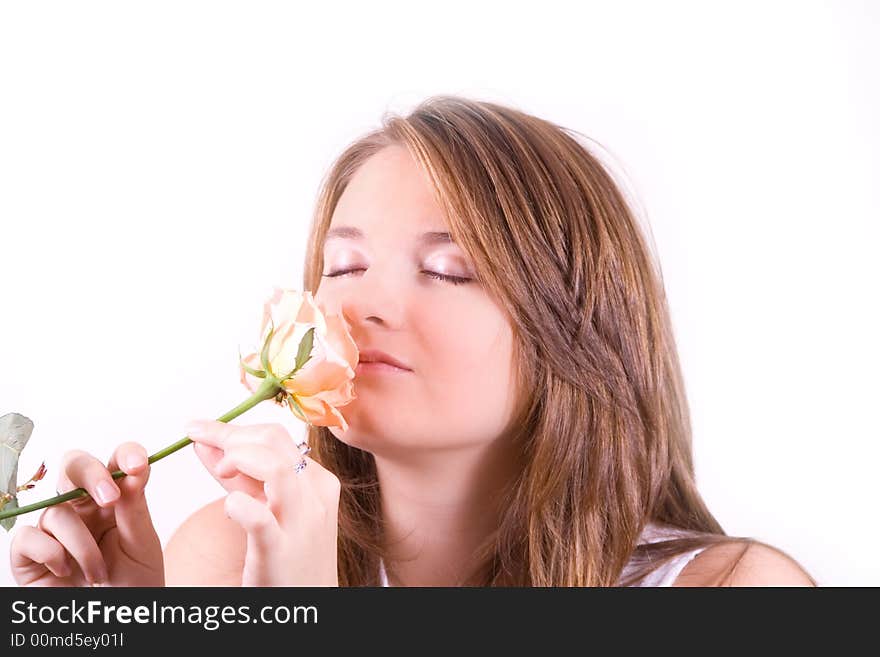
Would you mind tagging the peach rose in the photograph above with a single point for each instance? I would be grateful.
(325, 381)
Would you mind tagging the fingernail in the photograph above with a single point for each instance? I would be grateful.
(101, 577)
(106, 492)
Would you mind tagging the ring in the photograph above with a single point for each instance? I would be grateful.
(299, 467)
(302, 451)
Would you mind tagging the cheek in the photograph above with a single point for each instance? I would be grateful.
(471, 383)
(463, 395)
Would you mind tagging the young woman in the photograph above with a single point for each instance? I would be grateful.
(533, 429)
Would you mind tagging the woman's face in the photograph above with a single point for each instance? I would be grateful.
(454, 338)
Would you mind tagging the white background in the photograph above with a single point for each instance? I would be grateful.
(159, 164)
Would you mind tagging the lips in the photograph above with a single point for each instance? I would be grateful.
(377, 356)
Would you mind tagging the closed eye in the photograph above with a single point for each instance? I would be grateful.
(455, 280)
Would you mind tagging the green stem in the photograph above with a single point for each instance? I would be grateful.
(269, 387)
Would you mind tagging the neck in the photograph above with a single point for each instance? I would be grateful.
(439, 507)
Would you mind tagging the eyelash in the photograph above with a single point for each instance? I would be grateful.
(455, 280)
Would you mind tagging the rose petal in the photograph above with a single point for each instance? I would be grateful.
(284, 347)
(340, 340)
(322, 414)
(326, 370)
(311, 313)
(273, 300)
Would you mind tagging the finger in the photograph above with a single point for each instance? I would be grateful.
(272, 435)
(66, 525)
(256, 519)
(315, 489)
(32, 547)
(289, 495)
(255, 461)
(210, 432)
(82, 470)
(210, 456)
(132, 459)
(222, 435)
(133, 521)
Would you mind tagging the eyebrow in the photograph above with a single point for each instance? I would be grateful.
(352, 233)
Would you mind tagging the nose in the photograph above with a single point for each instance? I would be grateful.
(368, 298)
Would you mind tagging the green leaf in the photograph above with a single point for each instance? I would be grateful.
(305, 348)
(292, 399)
(260, 374)
(8, 523)
(303, 353)
(15, 431)
(257, 373)
(264, 354)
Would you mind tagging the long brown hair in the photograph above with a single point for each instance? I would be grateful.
(603, 425)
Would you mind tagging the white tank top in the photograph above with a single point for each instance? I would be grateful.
(665, 575)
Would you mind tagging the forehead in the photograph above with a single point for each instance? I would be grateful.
(389, 195)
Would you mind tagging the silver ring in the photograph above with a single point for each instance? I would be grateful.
(299, 467)
(303, 448)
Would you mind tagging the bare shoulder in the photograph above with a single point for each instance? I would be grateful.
(206, 550)
(741, 563)
(765, 565)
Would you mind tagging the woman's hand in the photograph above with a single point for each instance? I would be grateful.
(290, 518)
(105, 539)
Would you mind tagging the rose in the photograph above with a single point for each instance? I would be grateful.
(325, 383)
(307, 362)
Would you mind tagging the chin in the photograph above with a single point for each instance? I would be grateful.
(359, 438)
(352, 437)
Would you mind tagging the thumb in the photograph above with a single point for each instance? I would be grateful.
(263, 536)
